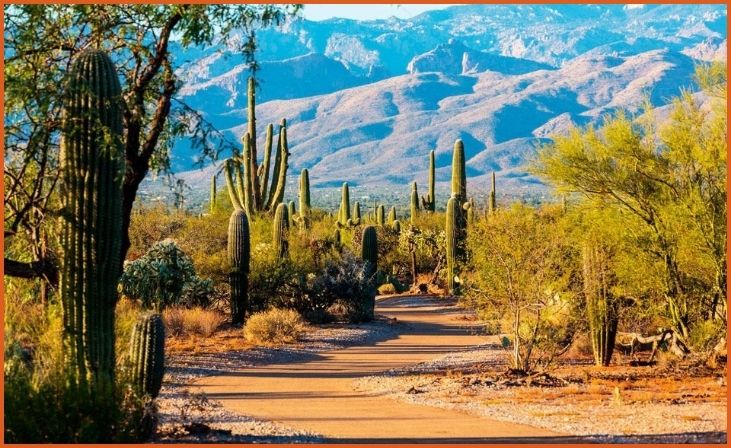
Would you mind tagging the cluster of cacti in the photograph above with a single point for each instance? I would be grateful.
(238, 256)
(369, 249)
(429, 201)
(280, 232)
(248, 184)
(91, 169)
(147, 354)
(601, 306)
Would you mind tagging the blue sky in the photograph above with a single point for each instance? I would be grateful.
(366, 12)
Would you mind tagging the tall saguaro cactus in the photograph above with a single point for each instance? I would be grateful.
(414, 203)
(492, 203)
(459, 173)
(239, 252)
(304, 196)
(247, 183)
(147, 354)
(344, 212)
(92, 168)
(601, 305)
(356, 212)
(381, 215)
(429, 200)
(280, 231)
(392, 215)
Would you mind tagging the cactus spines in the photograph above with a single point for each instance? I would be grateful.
(392, 215)
(212, 199)
(601, 305)
(91, 168)
(453, 235)
(239, 251)
(381, 215)
(280, 231)
(459, 175)
(492, 203)
(369, 249)
(344, 213)
(414, 203)
(304, 195)
(428, 201)
(147, 354)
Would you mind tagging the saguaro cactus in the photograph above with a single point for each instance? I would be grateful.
(356, 212)
(453, 236)
(601, 305)
(381, 215)
(239, 251)
(248, 183)
(291, 213)
(344, 213)
(392, 215)
(281, 232)
(212, 199)
(459, 173)
(492, 202)
(369, 249)
(414, 203)
(91, 167)
(147, 354)
(304, 195)
(429, 201)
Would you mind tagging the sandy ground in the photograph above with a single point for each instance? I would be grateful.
(317, 396)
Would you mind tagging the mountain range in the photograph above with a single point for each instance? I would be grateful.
(367, 100)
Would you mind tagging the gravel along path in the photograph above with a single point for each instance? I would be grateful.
(186, 416)
(593, 411)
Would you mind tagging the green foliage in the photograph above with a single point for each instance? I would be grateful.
(164, 276)
(147, 355)
(348, 283)
(672, 180)
(525, 271)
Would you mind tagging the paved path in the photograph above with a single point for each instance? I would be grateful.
(317, 395)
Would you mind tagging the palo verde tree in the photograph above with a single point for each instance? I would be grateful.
(672, 178)
(40, 43)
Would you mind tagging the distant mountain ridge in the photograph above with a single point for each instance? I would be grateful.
(367, 100)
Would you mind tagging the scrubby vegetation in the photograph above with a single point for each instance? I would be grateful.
(636, 246)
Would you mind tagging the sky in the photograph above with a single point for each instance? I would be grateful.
(366, 12)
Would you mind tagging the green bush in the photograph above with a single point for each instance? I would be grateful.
(164, 276)
(347, 284)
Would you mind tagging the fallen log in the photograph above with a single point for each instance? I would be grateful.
(632, 343)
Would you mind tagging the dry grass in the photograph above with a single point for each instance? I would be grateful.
(193, 321)
(386, 289)
(274, 326)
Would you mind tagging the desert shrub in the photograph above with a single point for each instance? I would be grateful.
(199, 321)
(164, 276)
(386, 289)
(274, 326)
(346, 283)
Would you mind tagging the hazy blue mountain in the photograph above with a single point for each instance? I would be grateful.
(367, 100)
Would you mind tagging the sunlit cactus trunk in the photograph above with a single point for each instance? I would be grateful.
(429, 201)
(414, 203)
(453, 236)
(280, 232)
(92, 169)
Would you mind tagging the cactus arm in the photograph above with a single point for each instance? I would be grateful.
(281, 174)
(233, 193)
(245, 179)
(264, 168)
(275, 171)
(251, 131)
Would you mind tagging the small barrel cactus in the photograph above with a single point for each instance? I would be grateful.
(147, 354)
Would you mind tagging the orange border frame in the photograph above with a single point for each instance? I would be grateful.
(2, 164)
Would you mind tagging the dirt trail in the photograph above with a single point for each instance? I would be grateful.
(317, 395)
